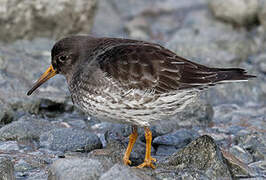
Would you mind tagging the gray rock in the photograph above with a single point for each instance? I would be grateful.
(6, 114)
(201, 155)
(241, 154)
(45, 18)
(262, 13)
(9, 146)
(164, 150)
(76, 168)
(6, 169)
(23, 166)
(254, 144)
(122, 172)
(179, 138)
(241, 12)
(69, 139)
(238, 168)
(27, 60)
(25, 128)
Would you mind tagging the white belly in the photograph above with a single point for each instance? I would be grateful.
(135, 106)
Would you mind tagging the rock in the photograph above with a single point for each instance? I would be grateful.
(122, 172)
(27, 60)
(253, 143)
(6, 114)
(164, 150)
(25, 128)
(45, 18)
(6, 169)
(238, 169)
(262, 13)
(201, 155)
(23, 166)
(9, 146)
(179, 138)
(241, 12)
(69, 139)
(76, 168)
(241, 154)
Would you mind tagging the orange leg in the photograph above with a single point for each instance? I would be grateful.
(148, 159)
(132, 139)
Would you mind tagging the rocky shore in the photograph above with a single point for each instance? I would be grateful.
(222, 136)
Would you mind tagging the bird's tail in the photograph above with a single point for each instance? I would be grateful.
(231, 75)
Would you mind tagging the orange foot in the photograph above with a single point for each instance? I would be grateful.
(132, 140)
(148, 163)
(148, 159)
(126, 161)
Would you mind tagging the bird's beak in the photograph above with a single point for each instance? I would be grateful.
(50, 72)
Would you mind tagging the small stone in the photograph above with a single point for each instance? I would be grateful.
(42, 17)
(179, 138)
(237, 167)
(239, 12)
(9, 146)
(69, 139)
(262, 66)
(241, 154)
(23, 166)
(164, 150)
(6, 169)
(76, 168)
(122, 172)
(201, 155)
(25, 128)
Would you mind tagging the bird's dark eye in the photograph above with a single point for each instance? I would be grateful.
(62, 58)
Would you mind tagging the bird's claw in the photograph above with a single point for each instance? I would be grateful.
(148, 163)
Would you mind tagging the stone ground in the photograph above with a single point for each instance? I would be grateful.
(222, 136)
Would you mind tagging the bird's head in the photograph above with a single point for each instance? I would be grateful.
(64, 56)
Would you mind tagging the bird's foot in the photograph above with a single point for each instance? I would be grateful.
(148, 163)
(126, 161)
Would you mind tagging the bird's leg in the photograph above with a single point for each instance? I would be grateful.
(132, 139)
(148, 159)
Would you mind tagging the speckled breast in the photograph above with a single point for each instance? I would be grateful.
(109, 102)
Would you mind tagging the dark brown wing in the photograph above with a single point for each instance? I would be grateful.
(148, 66)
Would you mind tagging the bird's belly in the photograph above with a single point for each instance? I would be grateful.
(133, 107)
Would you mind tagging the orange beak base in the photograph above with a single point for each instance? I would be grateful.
(49, 73)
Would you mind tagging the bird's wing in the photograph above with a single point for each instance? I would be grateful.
(148, 66)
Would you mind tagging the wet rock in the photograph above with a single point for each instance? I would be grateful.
(201, 155)
(239, 12)
(76, 168)
(27, 60)
(23, 166)
(69, 139)
(179, 138)
(254, 144)
(41, 19)
(9, 146)
(6, 169)
(164, 150)
(237, 168)
(262, 13)
(241, 154)
(6, 114)
(25, 128)
(113, 131)
(122, 172)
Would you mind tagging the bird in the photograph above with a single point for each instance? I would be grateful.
(131, 81)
